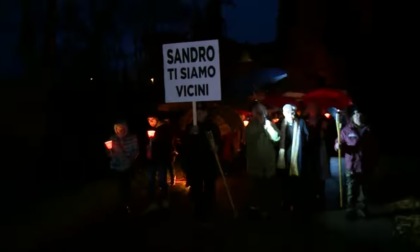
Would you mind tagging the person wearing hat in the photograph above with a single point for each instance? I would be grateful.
(359, 151)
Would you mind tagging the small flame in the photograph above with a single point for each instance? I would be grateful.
(327, 115)
(246, 122)
(108, 144)
(151, 133)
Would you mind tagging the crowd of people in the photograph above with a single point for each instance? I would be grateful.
(290, 156)
(293, 154)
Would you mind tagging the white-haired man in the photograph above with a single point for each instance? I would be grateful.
(290, 162)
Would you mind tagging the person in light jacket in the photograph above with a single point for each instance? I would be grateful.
(260, 136)
(123, 154)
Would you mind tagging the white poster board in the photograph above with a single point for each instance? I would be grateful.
(192, 71)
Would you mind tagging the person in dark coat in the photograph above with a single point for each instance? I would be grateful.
(321, 136)
(199, 154)
(291, 159)
(160, 154)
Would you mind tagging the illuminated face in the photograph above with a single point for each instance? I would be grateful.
(201, 115)
(289, 113)
(152, 121)
(357, 118)
(120, 130)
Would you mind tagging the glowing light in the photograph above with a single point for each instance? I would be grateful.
(246, 122)
(280, 77)
(108, 144)
(151, 133)
(275, 120)
(91, 79)
(327, 115)
(152, 80)
(180, 183)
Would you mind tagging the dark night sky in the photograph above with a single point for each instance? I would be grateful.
(249, 21)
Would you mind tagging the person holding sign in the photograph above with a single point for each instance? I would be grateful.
(202, 165)
(123, 149)
(260, 136)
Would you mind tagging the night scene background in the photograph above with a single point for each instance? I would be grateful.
(70, 68)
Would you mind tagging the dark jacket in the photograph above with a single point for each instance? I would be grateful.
(196, 147)
(162, 144)
(358, 147)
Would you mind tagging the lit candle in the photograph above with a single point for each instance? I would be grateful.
(108, 144)
(246, 123)
(327, 115)
(151, 133)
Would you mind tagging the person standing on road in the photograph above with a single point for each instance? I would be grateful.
(260, 138)
(291, 160)
(160, 155)
(123, 154)
(360, 154)
(318, 154)
(202, 165)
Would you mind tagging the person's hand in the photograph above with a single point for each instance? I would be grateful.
(337, 146)
(116, 148)
(267, 124)
(194, 130)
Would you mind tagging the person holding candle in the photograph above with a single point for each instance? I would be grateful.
(123, 149)
(160, 155)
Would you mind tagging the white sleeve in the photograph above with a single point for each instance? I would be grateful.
(274, 134)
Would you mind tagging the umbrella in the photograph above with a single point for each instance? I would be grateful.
(326, 98)
(256, 80)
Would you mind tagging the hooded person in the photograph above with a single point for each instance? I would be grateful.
(123, 154)
(360, 155)
(260, 138)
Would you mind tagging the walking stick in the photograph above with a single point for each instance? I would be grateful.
(340, 182)
(212, 143)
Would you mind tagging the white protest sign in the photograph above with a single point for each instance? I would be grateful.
(192, 71)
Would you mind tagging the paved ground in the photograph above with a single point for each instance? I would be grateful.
(175, 230)
(83, 220)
